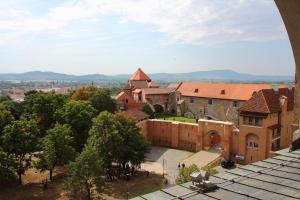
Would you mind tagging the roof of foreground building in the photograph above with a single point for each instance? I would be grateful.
(268, 101)
(273, 178)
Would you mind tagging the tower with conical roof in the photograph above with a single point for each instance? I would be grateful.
(139, 75)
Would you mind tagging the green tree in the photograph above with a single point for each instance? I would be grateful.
(5, 117)
(78, 115)
(8, 166)
(146, 109)
(100, 98)
(85, 173)
(14, 107)
(42, 107)
(20, 139)
(116, 138)
(184, 174)
(132, 146)
(57, 148)
(104, 137)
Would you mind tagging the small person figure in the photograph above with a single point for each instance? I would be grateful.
(178, 165)
(147, 173)
(166, 181)
(183, 165)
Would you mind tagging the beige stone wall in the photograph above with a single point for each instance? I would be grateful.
(221, 109)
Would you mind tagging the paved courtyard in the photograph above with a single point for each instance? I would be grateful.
(171, 158)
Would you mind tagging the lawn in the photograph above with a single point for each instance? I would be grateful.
(175, 118)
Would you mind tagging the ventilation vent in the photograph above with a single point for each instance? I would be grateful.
(222, 91)
(196, 90)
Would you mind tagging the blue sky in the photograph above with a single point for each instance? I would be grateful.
(118, 36)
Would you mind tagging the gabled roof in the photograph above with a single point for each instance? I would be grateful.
(267, 101)
(139, 75)
(232, 91)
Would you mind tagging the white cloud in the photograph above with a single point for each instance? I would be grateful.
(184, 21)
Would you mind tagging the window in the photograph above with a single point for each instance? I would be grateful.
(177, 98)
(250, 121)
(210, 102)
(140, 98)
(126, 100)
(255, 145)
(257, 121)
(235, 103)
(191, 100)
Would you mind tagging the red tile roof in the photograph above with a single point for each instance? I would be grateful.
(139, 75)
(266, 101)
(232, 91)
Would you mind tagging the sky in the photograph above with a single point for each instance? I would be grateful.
(119, 36)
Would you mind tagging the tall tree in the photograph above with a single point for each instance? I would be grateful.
(132, 147)
(42, 107)
(85, 173)
(100, 98)
(78, 115)
(117, 139)
(103, 136)
(20, 139)
(57, 148)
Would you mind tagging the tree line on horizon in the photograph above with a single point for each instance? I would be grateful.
(81, 130)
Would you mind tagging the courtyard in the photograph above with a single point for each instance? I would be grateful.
(161, 159)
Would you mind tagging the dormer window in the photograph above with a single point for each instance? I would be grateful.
(196, 90)
(222, 91)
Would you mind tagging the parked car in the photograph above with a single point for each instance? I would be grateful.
(227, 164)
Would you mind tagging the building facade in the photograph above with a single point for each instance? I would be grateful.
(266, 126)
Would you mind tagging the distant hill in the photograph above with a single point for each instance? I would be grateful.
(212, 75)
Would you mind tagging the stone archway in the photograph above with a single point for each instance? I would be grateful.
(214, 140)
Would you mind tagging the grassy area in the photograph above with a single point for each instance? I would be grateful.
(176, 118)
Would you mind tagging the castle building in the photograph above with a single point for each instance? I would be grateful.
(245, 122)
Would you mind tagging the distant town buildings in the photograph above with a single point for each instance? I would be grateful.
(246, 122)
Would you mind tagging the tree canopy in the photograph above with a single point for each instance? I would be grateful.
(78, 115)
(117, 138)
(85, 173)
(42, 107)
(100, 98)
(57, 148)
(20, 139)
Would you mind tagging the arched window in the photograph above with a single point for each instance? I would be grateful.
(252, 141)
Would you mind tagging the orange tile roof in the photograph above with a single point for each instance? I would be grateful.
(264, 101)
(232, 91)
(139, 75)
